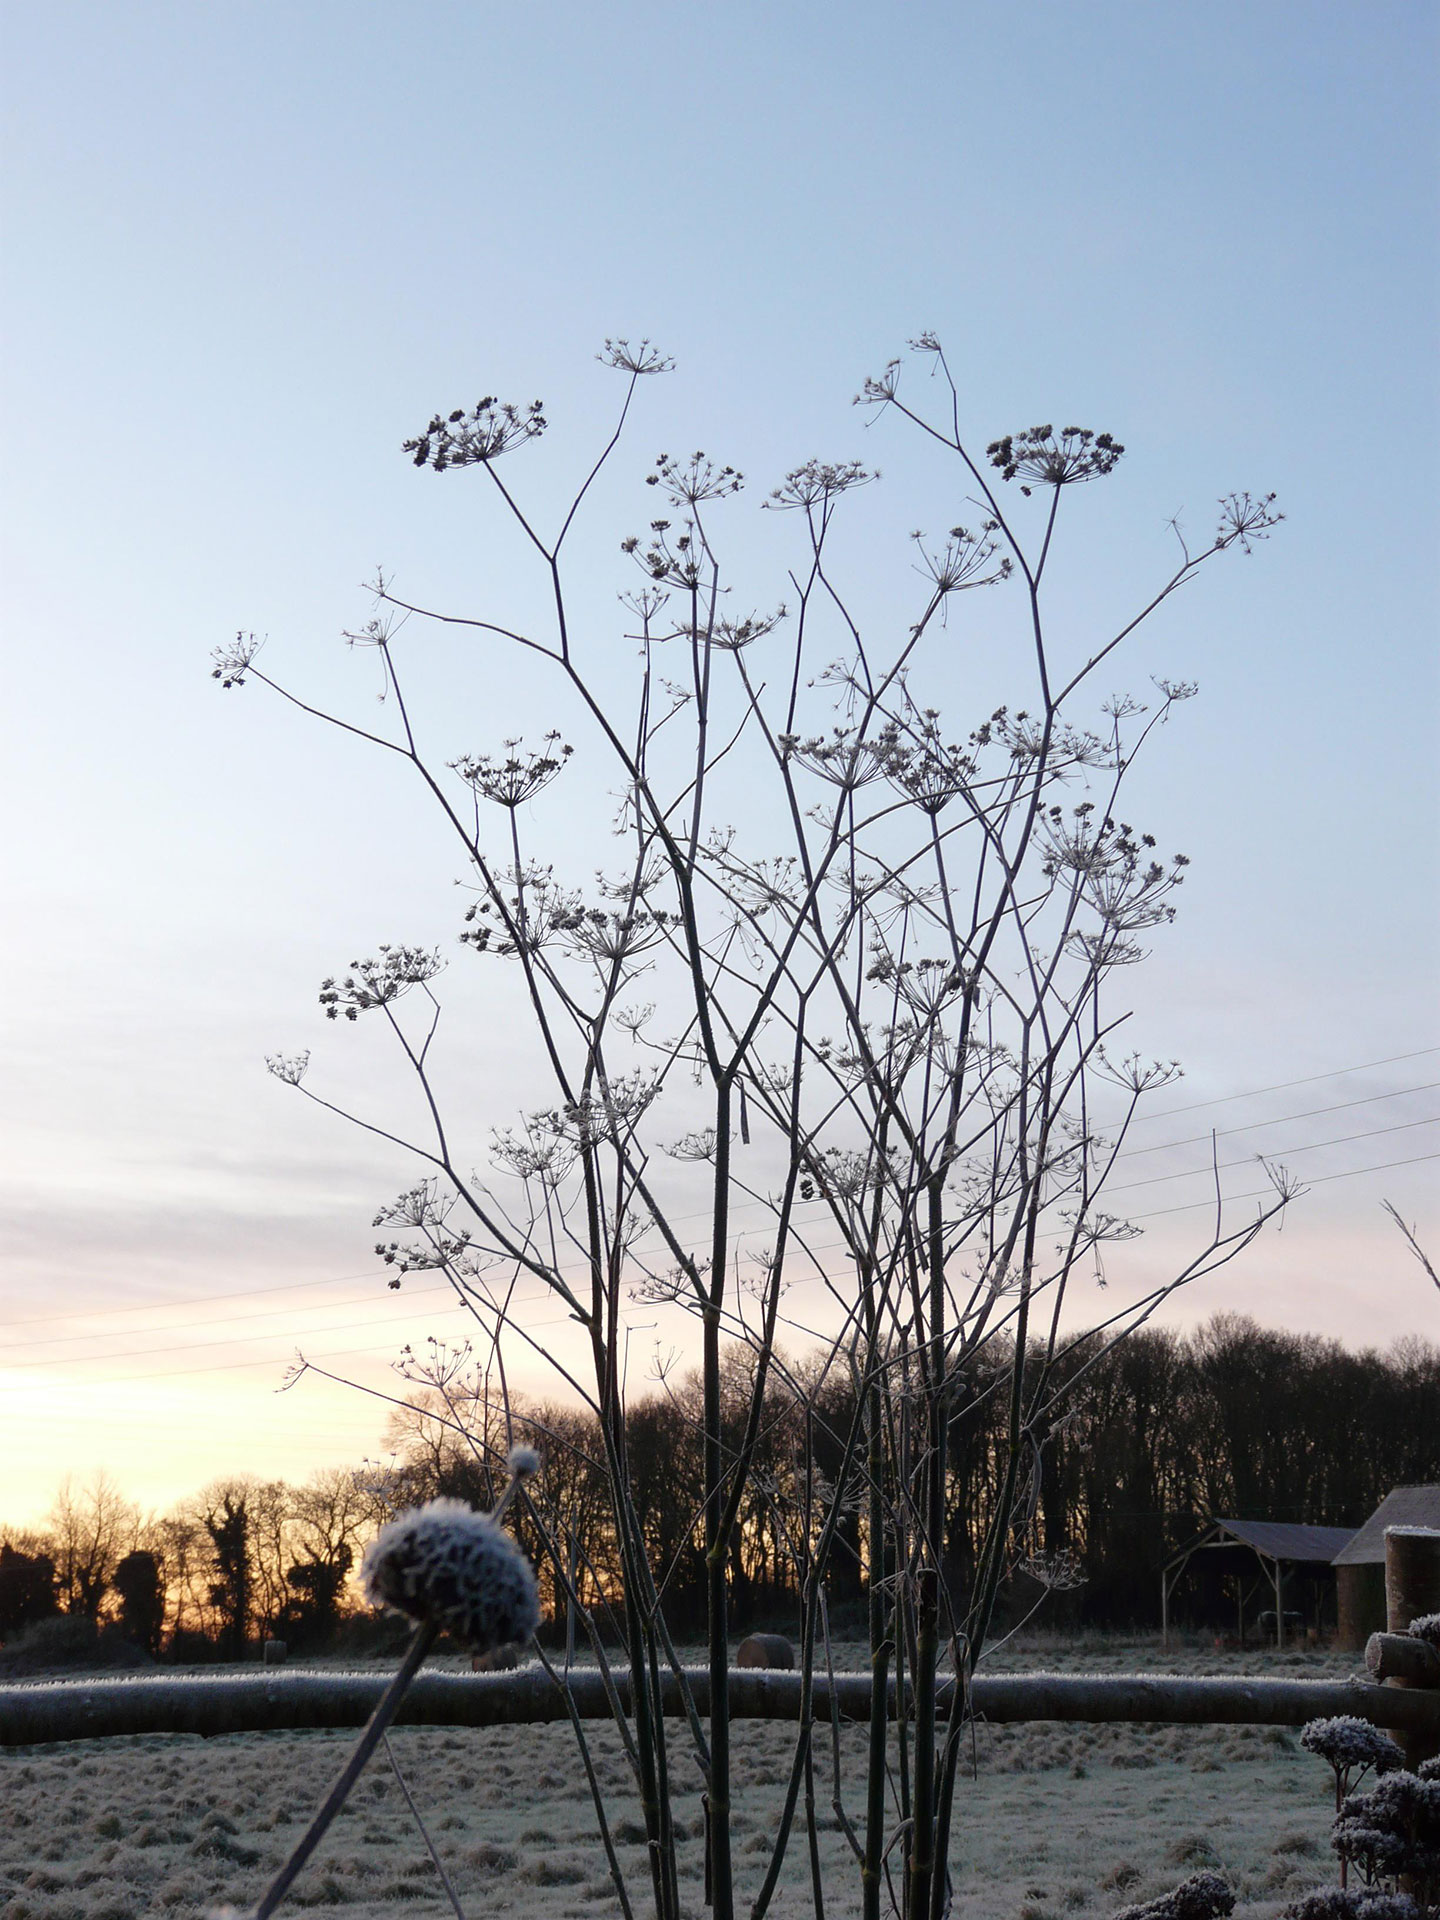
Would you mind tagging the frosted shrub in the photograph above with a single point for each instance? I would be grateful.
(1340, 1903)
(1204, 1896)
(1394, 1831)
(1352, 1746)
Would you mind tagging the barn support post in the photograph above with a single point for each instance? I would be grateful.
(1164, 1610)
(1412, 1590)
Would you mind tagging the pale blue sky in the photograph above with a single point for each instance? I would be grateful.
(249, 248)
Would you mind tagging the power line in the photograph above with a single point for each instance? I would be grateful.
(193, 1300)
(834, 1247)
(1280, 1120)
(227, 1320)
(830, 1247)
(295, 1286)
(1278, 1153)
(195, 1346)
(1280, 1086)
(1319, 1181)
(291, 1287)
(238, 1366)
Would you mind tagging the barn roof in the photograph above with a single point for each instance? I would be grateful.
(1284, 1540)
(1405, 1507)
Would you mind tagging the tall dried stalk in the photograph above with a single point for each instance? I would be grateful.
(880, 952)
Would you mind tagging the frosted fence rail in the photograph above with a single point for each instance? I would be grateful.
(41, 1712)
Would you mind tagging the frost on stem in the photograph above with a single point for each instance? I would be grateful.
(448, 1566)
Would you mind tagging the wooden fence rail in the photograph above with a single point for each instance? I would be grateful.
(41, 1712)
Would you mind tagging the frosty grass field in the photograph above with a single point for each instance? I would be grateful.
(1058, 1820)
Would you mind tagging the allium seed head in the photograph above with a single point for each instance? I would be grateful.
(455, 1568)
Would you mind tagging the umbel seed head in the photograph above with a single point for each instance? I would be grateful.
(454, 1568)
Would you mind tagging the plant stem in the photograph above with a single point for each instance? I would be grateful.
(375, 1728)
(430, 1847)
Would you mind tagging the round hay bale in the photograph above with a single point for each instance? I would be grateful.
(766, 1650)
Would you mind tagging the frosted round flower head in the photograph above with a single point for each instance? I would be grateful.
(454, 1568)
(522, 1462)
(1347, 1741)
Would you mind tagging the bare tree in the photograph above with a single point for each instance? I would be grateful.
(92, 1527)
(878, 955)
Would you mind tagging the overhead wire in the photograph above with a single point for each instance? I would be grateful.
(1251, 1093)
(1280, 1120)
(195, 1346)
(322, 1306)
(208, 1320)
(1320, 1180)
(1151, 1180)
(1281, 1086)
(1278, 1153)
(225, 1320)
(559, 1319)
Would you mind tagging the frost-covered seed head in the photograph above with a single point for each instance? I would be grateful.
(1351, 1903)
(1393, 1829)
(1427, 1628)
(522, 1462)
(1204, 1896)
(1347, 1741)
(448, 1565)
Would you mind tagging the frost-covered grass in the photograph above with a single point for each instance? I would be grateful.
(1059, 1819)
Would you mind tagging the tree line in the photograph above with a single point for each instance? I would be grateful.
(244, 1557)
(1160, 1433)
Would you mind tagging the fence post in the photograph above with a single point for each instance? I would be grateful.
(1412, 1589)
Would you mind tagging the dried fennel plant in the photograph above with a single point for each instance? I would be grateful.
(878, 954)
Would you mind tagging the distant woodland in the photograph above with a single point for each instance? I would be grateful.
(1161, 1433)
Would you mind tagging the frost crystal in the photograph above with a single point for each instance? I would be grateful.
(456, 1569)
